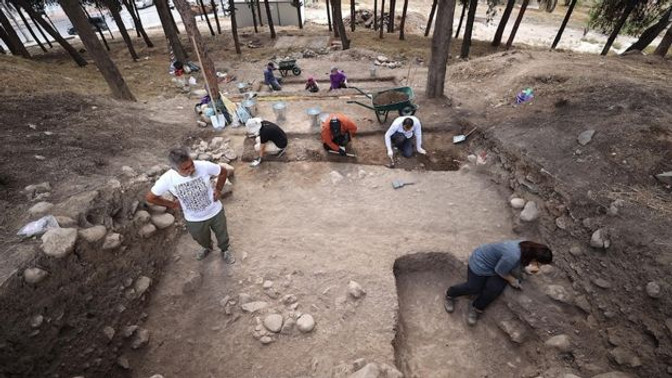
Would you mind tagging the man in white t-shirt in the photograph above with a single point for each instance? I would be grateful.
(189, 182)
(400, 133)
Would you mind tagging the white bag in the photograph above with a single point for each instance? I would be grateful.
(38, 227)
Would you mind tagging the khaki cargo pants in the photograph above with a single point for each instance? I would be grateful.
(200, 231)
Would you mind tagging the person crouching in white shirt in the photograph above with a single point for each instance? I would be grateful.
(400, 135)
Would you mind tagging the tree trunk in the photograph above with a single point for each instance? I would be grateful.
(390, 25)
(270, 18)
(443, 31)
(76, 56)
(652, 32)
(619, 26)
(170, 30)
(468, 28)
(329, 16)
(254, 16)
(338, 17)
(13, 41)
(172, 18)
(189, 23)
(352, 15)
(261, 22)
(403, 20)
(44, 36)
(375, 14)
(564, 24)
(16, 23)
(382, 19)
(138, 24)
(100, 32)
(5, 39)
(105, 65)
(502, 23)
(102, 17)
(2, 37)
(298, 13)
(431, 18)
(234, 26)
(30, 30)
(333, 19)
(521, 12)
(664, 45)
(116, 16)
(459, 24)
(207, 19)
(214, 12)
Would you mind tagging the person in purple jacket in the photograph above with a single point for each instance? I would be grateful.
(491, 267)
(337, 79)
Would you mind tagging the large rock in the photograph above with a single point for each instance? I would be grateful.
(142, 217)
(142, 284)
(560, 342)
(273, 322)
(585, 137)
(355, 290)
(288, 326)
(65, 222)
(600, 239)
(370, 370)
(558, 293)
(305, 323)
(39, 209)
(613, 374)
(59, 242)
(162, 221)
(147, 230)
(516, 330)
(93, 234)
(517, 203)
(141, 338)
(390, 371)
(623, 356)
(32, 190)
(530, 213)
(665, 177)
(653, 290)
(112, 241)
(77, 206)
(34, 275)
(253, 307)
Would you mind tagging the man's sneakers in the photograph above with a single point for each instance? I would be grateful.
(203, 253)
(228, 258)
(449, 304)
(472, 315)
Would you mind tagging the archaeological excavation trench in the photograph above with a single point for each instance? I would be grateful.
(434, 344)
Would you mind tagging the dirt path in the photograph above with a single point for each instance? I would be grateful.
(311, 228)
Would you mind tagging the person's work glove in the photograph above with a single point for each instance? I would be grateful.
(255, 162)
(516, 285)
(341, 151)
(390, 154)
(422, 151)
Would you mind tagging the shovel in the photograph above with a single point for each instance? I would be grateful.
(461, 138)
(218, 120)
(396, 184)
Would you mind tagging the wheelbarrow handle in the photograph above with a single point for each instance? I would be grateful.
(362, 92)
(360, 104)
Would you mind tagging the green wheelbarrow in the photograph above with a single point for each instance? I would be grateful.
(382, 103)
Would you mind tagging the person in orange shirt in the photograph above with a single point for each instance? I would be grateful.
(337, 132)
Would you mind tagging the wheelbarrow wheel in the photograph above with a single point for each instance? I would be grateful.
(407, 110)
(296, 71)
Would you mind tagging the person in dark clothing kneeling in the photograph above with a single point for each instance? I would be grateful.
(266, 132)
(491, 267)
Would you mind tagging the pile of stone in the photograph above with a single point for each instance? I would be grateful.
(219, 150)
(365, 17)
(384, 61)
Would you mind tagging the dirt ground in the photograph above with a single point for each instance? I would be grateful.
(311, 223)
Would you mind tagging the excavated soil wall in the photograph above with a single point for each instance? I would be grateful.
(84, 311)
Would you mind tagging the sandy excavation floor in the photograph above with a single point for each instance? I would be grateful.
(311, 228)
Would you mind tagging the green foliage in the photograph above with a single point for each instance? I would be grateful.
(605, 14)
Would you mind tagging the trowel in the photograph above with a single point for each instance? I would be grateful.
(396, 184)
